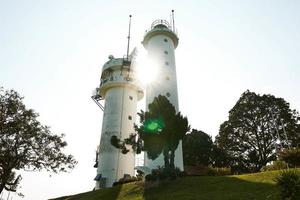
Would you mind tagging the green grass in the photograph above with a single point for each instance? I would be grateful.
(250, 186)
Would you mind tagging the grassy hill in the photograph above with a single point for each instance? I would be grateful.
(249, 187)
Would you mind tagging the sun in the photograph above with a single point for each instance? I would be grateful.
(147, 70)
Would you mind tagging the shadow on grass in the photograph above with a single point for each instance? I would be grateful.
(246, 187)
(213, 188)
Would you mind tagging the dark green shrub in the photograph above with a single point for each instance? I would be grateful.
(276, 165)
(219, 171)
(289, 183)
(127, 180)
(182, 174)
(140, 174)
(163, 173)
(291, 156)
(150, 177)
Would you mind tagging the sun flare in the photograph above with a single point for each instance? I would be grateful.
(147, 70)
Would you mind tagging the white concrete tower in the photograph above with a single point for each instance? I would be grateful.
(121, 91)
(160, 42)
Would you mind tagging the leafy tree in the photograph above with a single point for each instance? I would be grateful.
(25, 143)
(160, 131)
(219, 157)
(257, 127)
(197, 148)
(290, 156)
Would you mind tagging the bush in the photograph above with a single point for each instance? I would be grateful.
(163, 173)
(140, 174)
(276, 165)
(291, 156)
(207, 171)
(222, 171)
(127, 180)
(289, 183)
(198, 170)
(150, 177)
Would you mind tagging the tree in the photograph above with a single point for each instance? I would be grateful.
(290, 156)
(26, 144)
(160, 131)
(258, 126)
(197, 148)
(219, 157)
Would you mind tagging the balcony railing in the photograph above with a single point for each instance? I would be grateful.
(116, 79)
(163, 22)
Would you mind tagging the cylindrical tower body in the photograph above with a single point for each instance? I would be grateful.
(121, 91)
(160, 42)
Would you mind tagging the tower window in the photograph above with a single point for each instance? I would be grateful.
(166, 63)
(130, 97)
(166, 52)
(129, 117)
(168, 94)
(166, 40)
(98, 177)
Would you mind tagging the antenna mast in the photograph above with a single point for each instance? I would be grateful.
(128, 38)
(173, 21)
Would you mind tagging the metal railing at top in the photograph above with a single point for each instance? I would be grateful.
(161, 21)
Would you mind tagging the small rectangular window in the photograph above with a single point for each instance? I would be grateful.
(129, 117)
(130, 97)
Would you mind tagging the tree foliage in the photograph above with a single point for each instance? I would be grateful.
(289, 183)
(258, 126)
(160, 131)
(290, 156)
(197, 148)
(220, 157)
(26, 144)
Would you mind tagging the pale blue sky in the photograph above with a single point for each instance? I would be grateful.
(52, 53)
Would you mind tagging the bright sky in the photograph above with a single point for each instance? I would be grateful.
(52, 53)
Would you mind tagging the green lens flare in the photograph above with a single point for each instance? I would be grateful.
(154, 125)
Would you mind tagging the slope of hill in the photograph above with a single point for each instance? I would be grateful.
(251, 186)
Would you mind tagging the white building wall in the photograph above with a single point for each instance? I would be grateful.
(161, 53)
(118, 119)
